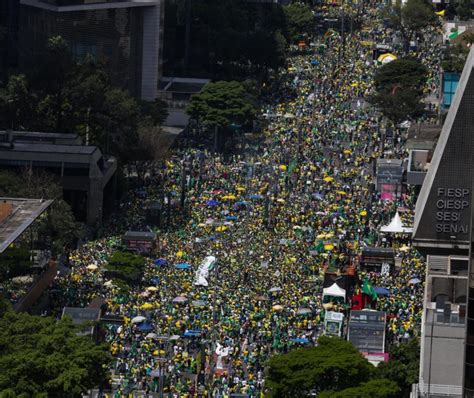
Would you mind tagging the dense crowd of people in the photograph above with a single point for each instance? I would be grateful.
(275, 219)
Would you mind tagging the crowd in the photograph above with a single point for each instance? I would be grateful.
(275, 219)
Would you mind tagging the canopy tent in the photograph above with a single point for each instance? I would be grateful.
(386, 58)
(396, 226)
(334, 291)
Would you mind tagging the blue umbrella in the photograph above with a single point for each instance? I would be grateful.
(145, 327)
(231, 218)
(155, 280)
(212, 202)
(382, 291)
(192, 333)
(414, 281)
(255, 197)
(314, 62)
(183, 266)
(303, 340)
(161, 262)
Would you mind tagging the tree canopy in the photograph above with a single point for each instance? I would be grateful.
(61, 94)
(299, 21)
(377, 388)
(399, 88)
(61, 225)
(126, 266)
(221, 104)
(410, 18)
(403, 367)
(40, 357)
(333, 365)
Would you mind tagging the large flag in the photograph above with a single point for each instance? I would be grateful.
(441, 13)
(369, 290)
(292, 166)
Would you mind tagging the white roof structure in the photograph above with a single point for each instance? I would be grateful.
(396, 226)
(334, 291)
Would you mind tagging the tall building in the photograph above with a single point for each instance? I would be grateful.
(126, 35)
(8, 35)
(443, 233)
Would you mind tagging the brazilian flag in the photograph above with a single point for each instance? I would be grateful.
(368, 289)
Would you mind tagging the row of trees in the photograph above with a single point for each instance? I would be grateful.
(61, 94)
(335, 369)
(41, 357)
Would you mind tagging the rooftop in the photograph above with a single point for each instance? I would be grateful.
(24, 212)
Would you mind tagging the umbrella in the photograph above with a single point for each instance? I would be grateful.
(328, 179)
(386, 58)
(198, 303)
(192, 333)
(363, 213)
(180, 299)
(328, 246)
(151, 288)
(222, 228)
(146, 306)
(314, 62)
(256, 197)
(160, 262)
(302, 340)
(282, 167)
(382, 291)
(303, 311)
(231, 218)
(414, 281)
(275, 289)
(278, 307)
(138, 319)
(155, 280)
(145, 327)
(92, 267)
(151, 336)
(212, 202)
(183, 266)
(180, 253)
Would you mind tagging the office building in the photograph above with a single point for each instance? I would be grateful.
(442, 232)
(125, 35)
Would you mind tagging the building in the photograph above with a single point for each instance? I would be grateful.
(442, 232)
(83, 171)
(126, 35)
(366, 330)
(8, 35)
(420, 143)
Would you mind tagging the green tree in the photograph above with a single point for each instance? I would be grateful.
(17, 103)
(126, 266)
(411, 18)
(221, 104)
(333, 365)
(457, 55)
(14, 261)
(403, 367)
(399, 89)
(377, 388)
(60, 224)
(299, 20)
(42, 357)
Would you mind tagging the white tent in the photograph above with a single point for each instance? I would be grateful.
(396, 226)
(334, 291)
